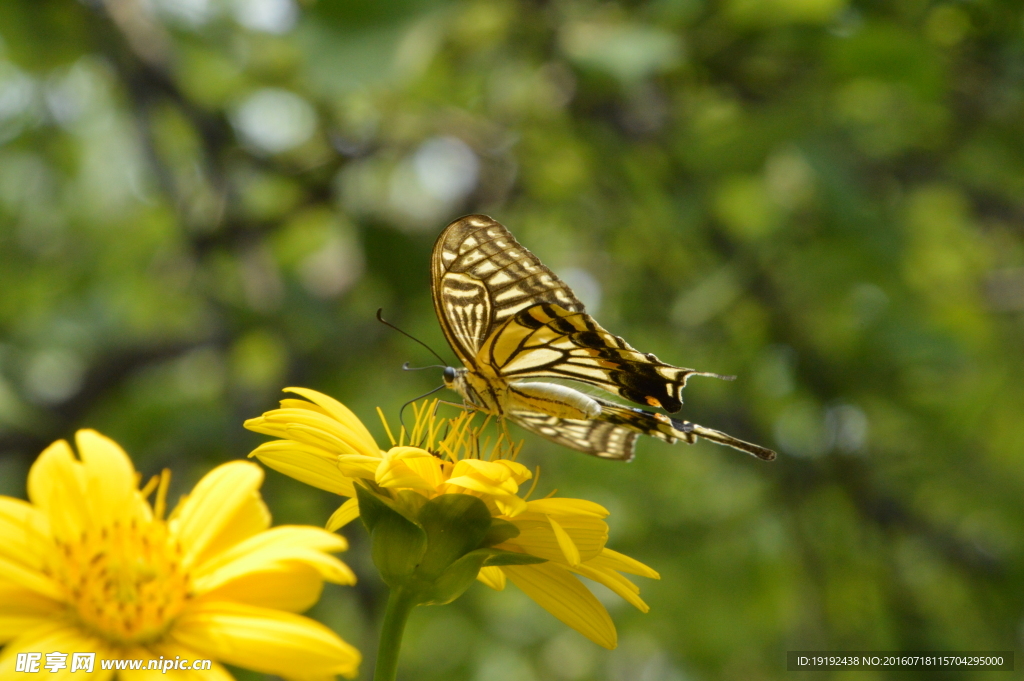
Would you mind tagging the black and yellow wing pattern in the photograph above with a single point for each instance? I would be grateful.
(613, 434)
(481, 277)
(509, 318)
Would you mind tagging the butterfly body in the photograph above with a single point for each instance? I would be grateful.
(507, 399)
(512, 321)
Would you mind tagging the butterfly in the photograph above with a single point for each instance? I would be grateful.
(510, 319)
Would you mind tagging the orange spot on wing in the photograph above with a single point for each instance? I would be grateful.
(653, 401)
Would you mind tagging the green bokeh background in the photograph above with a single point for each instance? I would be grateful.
(204, 201)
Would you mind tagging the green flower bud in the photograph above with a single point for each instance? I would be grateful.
(397, 544)
(433, 549)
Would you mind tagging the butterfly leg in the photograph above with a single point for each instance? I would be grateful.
(466, 406)
(505, 431)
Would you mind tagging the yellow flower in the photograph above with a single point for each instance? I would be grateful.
(90, 566)
(323, 444)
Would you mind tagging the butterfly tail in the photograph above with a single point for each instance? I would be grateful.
(670, 429)
(729, 441)
(713, 375)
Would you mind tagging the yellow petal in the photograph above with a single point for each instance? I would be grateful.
(16, 599)
(345, 514)
(268, 641)
(109, 479)
(629, 591)
(509, 505)
(278, 549)
(29, 578)
(493, 473)
(283, 539)
(537, 537)
(261, 424)
(14, 625)
(215, 504)
(343, 414)
(613, 560)
(427, 467)
(312, 428)
(216, 672)
(396, 474)
(22, 609)
(505, 488)
(407, 453)
(249, 519)
(56, 486)
(492, 577)
(565, 543)
(299, 462)
(561, 506)
(321, 431)
(296, 590)
(169, 651)
(556, 590)
(520, 473)
(53, 636)
(24, 533)
(290, 403)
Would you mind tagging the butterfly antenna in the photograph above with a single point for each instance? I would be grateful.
(401, 411)
(406, 367)
(407, 335)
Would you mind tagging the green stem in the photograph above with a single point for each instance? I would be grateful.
(400, 604)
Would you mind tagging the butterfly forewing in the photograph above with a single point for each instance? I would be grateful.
(548, 341)
(481, 276)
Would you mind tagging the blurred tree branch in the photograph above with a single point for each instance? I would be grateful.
(105, 376)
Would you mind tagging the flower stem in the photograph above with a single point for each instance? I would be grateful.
(400, 604)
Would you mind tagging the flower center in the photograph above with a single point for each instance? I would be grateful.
(124, 582)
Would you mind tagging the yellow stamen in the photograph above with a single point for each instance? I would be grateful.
(536, 478)
(160, 507)
(150, 486)
(387, 429)
(124, 582)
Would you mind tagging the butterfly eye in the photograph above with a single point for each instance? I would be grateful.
(449, 374)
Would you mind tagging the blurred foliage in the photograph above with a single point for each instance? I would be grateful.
(202, 201)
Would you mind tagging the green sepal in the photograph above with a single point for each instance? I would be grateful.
(462, 573)
(455, 580)
(396, 543)
(501, 530)
(371, 507)
(377, 500)
(499, 557)
(454, 525)
(409, 503)
(406, 503)
(433, 549)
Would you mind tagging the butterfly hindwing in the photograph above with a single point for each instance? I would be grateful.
(612, 434)
(598, 438)
(670, 430)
